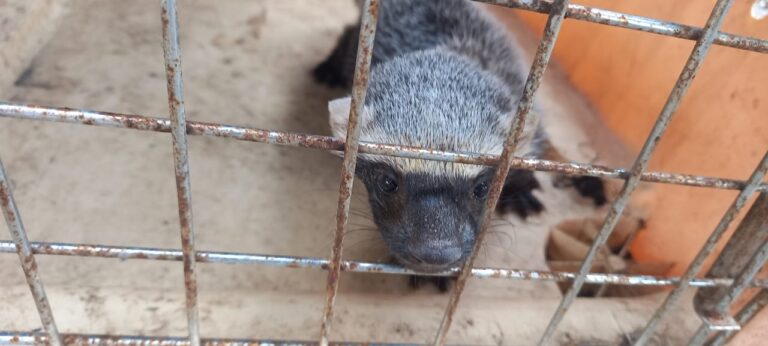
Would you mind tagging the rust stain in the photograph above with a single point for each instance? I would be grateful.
(329, 143)
(5, 202)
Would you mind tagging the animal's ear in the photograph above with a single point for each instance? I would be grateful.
(338, 110)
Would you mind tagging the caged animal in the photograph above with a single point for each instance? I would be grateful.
(445, 76)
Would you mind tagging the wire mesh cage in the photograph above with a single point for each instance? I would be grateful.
(722, 326)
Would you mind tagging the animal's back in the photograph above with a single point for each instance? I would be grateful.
(407, 26)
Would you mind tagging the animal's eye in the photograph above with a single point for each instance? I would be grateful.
(388, 184)
(481, 190)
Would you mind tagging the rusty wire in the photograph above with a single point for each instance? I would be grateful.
(617, 207)
(706, 250)
(159, 254)
(368, 22)
(524, 106)
(639, 23)
(22, 247)
(179, 128)
(742, 256)
(743, 317)
(34, 339)
(172, 57)
(195, 128)
(756, 263)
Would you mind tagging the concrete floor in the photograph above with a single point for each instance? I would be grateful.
(247, 63)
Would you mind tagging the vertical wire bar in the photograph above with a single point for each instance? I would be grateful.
(749, 310)
(539, 65)
(754, 180)
(739, 285)
(673, 101)
(700, 336)
(736, 258)
(27, 259)
(622, 253)
(370, 13)
(172, 56)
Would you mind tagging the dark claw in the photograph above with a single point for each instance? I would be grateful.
(517, 195)
(523, 204)
(442, 283)
(326, 73)
(590, 187)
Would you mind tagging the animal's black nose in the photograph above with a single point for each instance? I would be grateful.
(437, 254)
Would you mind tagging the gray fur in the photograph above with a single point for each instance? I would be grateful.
(444, 76)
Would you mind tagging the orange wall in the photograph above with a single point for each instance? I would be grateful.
(721, 128)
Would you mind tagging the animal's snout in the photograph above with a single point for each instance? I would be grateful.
(437, 253)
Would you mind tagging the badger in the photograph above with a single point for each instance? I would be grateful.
(444, 75)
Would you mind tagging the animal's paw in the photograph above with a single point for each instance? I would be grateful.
(442, 283)
(517, 194)
(589, 187)
(327, 73)
(337, 69)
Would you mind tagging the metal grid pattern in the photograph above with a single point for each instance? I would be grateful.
(558, 10)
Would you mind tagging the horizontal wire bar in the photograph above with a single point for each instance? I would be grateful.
(137, 122)
(30, 339)
(159, 254)
(639, 23)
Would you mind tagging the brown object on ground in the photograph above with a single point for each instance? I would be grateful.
(569, 243)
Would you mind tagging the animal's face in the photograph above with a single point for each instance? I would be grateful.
(428, 211)
(429, 223)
